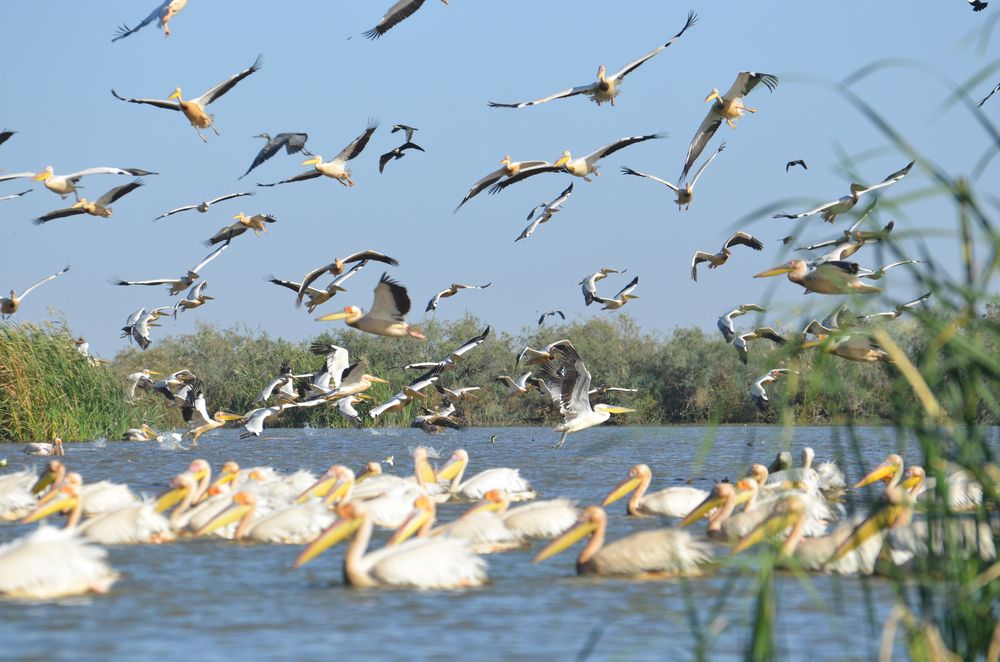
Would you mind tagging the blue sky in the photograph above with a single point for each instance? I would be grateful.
(436, 71)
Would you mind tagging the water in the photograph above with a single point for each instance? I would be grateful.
(215, 598)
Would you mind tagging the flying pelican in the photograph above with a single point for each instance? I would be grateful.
(396, 14)
(284, 384)
(336, 366)
(532, 356)
(879, 273)
(407, 129)
(450, 292)
(728, 107)
(835, 277)
(175, 386)
(654, 553)
(194, 109)
(433, 422)
(854, 238)
(458, 394)
(137, 328)
(845, 204)
(475, 488)
(385, 318)
(454, 355)
(99, 207)
(590, 283)
(548, 209)
(50, 563)
(292, 142)
(9, 305)
(551, 312)
(624, 296)
(14, 195)
(195, 405)
(508, 169)
(336, 268)
(568, 382)
(202, 206)
(894, 314)
(725, 322)
(798, 162)
(718, 259)
(195, 298)
(580, 167)
(742, 340)
(140, 379)
(517, 387)
(859, 347)
(669, 502)
(396, 154)
(257, 223)
(606, 88)
(686, 193)
(316, 297)
(63, 185)
(177, 285)
(757, 392)
(162, 15)
(253, 420)
(345, 407)
(406, 394)
(994, 90)
(336, 168)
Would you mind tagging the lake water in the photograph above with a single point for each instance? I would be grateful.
(216, 599)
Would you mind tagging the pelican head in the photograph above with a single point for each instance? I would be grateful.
(241, 216)
(422, 467)
(55, 471)
(176, 94)
(601, 73)
(243, 504)
(505, 160)
(913, 477)
(612, 409)
(316, 159)
(885, 471)
(44, 174)
(348, 313)
(456, 465)
(790, 267)
(65, 501)
(421, 517)
(591, 519)
(350, 517)
(636, 475)
(857, 188)
(563, 160)
(713, 95)
(787, 513)
(371, 469)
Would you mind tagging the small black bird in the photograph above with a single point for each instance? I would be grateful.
(396, 154)
(795, 163)
(402, 127)
(977, 5)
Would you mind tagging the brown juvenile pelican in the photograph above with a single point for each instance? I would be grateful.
(684, 193)
(9, 305)
(385, 317)
(100, 207)
(725, 323)
(336, 168)
(834, 277)
(398, 13)
(846, 203)
(718, 259)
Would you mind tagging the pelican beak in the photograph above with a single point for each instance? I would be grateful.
(911, 482)
(377, 379)
(42, 176)
(43, 482)
(313, 161)
(563, 160)
(425, 473)
(452, 469)
(884, 470)
(318, 489)
(713, 95)
(776, 271)
(412, 524)
(615, 409)
(809, 344)
(334, 316)
(153, 372)
(176, 94)
(621, 489)
(55, 506)
(226, 416)
(171, 498)
(485, 506)
(769, 528)
(338, 531)
(565, 541)
(232, 514)
(339, 491)
(224, 479)
(705, 507)
(875, 523)
(77, 204)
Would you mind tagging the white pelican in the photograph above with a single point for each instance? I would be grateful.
(560, 313)
(51, 563)
(17, 497)
(174, 387)
(725, 322)
(396, 153)
(289, 525)
(532, 356)
(201, 206)
(451, 291)
(195, 298)
(63, 185)
(14, 195)
(606, 88)
(879, 273)
(646, 554)
(685, 193)
(345, 407)
(196, 413)
(396, 14)
(854, 237)
(457, 394)
(336, 168)
(835, 277)
(355, 380)
(964, 492)
(480, 527)
(336, 268)
(897, 312)
(859, 347)
(194, 109)
(292, 142)
(517, 387)
(454, 356)
(624, 296)
(177, 285)
(257, 223)
(284, 384)
(581, 167)
(253, 420)
(728, 107)
(538, 520)
(98, 498)
(718, 259)
(797, 162)
(742, 340)
(385, 317)
(9, 305)
(165, 11)
(757, 392)
(589, 284)
(475, 488)
(568, 382)
(433, 422)
(336, 365)
(406, 394)
(825, 476)
(669, 502)
(141, 433)
(99, 207)
(509, 169)
(137, 328)
(46, 450)
(315, 296)
(846, 203)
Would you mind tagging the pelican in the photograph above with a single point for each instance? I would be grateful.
(14, 195)
(98, 498)
(292, 142)
(964, 492)
(846, 203)
(475, 488)
(669, 502)
(568, 382)
(433, 422)
(385, 317)
(685, 193)
(517, 387)
(345, 407)
(17, 497)
(590, 283)
(725, 322)
(581, 167)
(601, 390)
(606, 88)
(137, 328)
(162, 15)
(202, 206)
(898, 311)
(854, 238)
(406, 394)
(284, 385)
(51, 563)
(560, 313)
(290, 525)
(396, 154)
(171, 386)
(9, 305)
(718, 259)
(336, 168)
(257, 223)
(195, 298)
(859, 347)
(194, 109)
(253, 420)
(879, 273)
(836, 277)
(336, 365)
(647, 554)
(41, 449)
(354, 381)
(177, 285)
(826, 476)
(398, 13)
(508, 169)
(141, 433)
(317, 297)
(451, 291)
(454, 356)
(742, 340)
(480, 527)
(458, 394)
(336, 268)
(537, 520)
(196, 405)
(548, 209)
(63, 185)
(757, 392)
(624, 296)
(728, 107)
(100, 207)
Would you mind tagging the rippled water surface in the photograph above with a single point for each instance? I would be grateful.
(215, 598)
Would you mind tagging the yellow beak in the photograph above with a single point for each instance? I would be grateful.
(911, 482)
(412, 524)
(50, 508)
(621, 489)
(714, 95)
(228, 516)
(339, 492)
(337, 532)
(776, 271)
(176, 94)
(375, 379)
(769, 528)
(875, 523)
(618, 410)
(43, 482)
(563, 160)
(702, 509)
(450, 470)
(565, 541)
(333, 316)
(42, 176)
(170, 499)
(226, 416)
(884, 470)
(313, 161)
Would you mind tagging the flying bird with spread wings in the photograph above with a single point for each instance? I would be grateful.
(560, 313)
(63, 185)
(725, 323)
(201, 206)
(685, 193)
(396, 154)
(589, 284)
(548, 209)
(798, 162)
(451, 291)
(316, 296)
(620, 299)
(386, 317)
(292, 142)
(508, 169)
(9, 305)
(398, 13)
(257, 223)
(718, 259)
(177, 285)
(842, 205)
(162, 15)
(336, 268)
(100, 207)
(336, 168)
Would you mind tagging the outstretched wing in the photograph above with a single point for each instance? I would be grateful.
(398, 13)
(391, 300)
(745, 239)
(59, 213)
(573, 91)
(358, 144)
(223, 87)
(159, 103)
(118, 192)
(301, 177)
(621, 143)
(634, 64)
(124, 30)
(890, 180)
(44, 280)
(636, 173)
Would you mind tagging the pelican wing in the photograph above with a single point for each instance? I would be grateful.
(265, 394)
(358, 144)
(890, 180)
(523, 174)
(6, 135)
(477, 188)
(159, 103)
(636, 173)
(573, 91)
(391, 300)
(301, 177)
(705, 164)
(469, 345)
(228, 196)
(371, 255)
(803, 214)
(292, 142)
(23, 175)
(223, 87)
(44, 280)
(59, 213)
(567, 379)
(747, 80)
(563, 197)
(115, 280)
(211, 256)
(107, 170)
(15, 195)
(692, 18)
(398, 13)
(227, 233)
(744, 239)
(992, 92)
(702, 136)
(118, 192)
(628, 288)
(621, 143)
(551, 312)
(156, 14)
(291, 285)
(338, 363)
(699, 257)
(175, 211)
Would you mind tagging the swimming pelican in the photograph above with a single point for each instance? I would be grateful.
(45, 450)
(757, 392)
(194, 109)
(964, 492)
(50, 563)
(177, 285)
(243, 223)
(396, 154)
(548, 209)
(742, 340)
(141, 433)
(292, 142)
(386, 315)
(685, 193)
(654, 553)
(606, 88)
(551, 312)
(294, 524)
(728, 107)
(9, 305)
(509, 169)
(162, 15)
(195, 298)
(450, 292)
(894, 314)
(836, 277)
(581, 167)
(17, 497)
(568, 382)
(475, 488)
(99, 207)
(725, 322)
(718, 259)
(396, 14)
(624, 296)
(846, 203)
(537, 520)
(336, 168)
(669, 502)
(98, 498)
(480, 527)
(63, 185)
(202, 206)
(589, 284)
(336, 268)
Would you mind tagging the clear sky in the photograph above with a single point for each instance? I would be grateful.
(436, 71)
